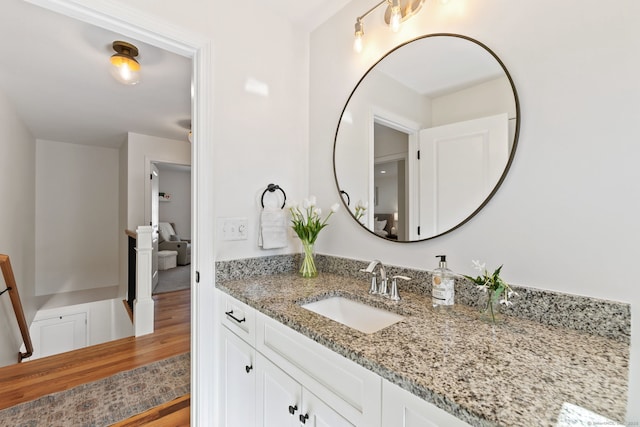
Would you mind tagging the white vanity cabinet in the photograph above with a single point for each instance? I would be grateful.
(238, 362)
(403, 409)
(349, 389)
(284, 402)
(273, 376)
(238, 381)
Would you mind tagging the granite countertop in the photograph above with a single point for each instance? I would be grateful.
(514, 373)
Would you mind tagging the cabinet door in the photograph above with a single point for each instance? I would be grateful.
(58, 334)
(279, 397)
(403, 409)
(239, 385)
(318, 414)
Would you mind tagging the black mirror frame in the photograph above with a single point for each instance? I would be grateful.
(507, 166)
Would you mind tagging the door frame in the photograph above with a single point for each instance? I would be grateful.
(156, 32)
(412, 129)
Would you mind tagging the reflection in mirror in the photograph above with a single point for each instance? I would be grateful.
(426, 137)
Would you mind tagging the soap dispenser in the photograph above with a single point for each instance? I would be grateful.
(442, 289)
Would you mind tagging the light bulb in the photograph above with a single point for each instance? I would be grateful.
(125, 68)
(125, 73)
(357, 43)
(396, 15)
(395, 19)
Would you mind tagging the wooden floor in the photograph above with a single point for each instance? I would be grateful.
(29, 380)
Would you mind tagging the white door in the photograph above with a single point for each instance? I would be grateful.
(318, 414)
(155, 181)
(58, 334)
(239, 381)
(279, 397)
(459, 165)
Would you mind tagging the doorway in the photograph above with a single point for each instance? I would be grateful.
(171, 221)
(204, 364)
(391, 182)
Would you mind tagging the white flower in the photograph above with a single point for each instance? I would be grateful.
(317, 212)
(312, 201)
(362, 205)
(512, 294)
(335, 207)
(482, 287)
(478, 266)
(506, 302)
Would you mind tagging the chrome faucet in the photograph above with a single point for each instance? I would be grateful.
(395, 296)
(382, 290)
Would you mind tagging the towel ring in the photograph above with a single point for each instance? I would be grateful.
(348, 198)
(271, 188)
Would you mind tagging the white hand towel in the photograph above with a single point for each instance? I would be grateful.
(273, 228)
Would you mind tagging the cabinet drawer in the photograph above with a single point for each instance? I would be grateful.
(237, 317)
(351, 390)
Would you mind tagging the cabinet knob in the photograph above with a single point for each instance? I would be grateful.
(248, 368)
(304, 418)
(293, 409)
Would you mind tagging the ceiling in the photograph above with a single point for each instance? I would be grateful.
(307, 14)
(433, 66)
(60, 84)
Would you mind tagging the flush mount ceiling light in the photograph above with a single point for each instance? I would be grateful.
(125, 68)
(397, 12)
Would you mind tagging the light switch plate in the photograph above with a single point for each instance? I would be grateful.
(235, 228)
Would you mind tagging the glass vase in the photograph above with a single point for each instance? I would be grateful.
(490, 309)
(308, 268)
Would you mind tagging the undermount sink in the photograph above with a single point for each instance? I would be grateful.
(354, 314)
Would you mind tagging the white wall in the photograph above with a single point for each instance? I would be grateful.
(77, 228)
(567, 216)
(482, 100)
(178, 209)
(257, 139)
(17, 222)
(394, 102)
(141, 151)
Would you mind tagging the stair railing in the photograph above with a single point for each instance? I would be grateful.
(12, 289)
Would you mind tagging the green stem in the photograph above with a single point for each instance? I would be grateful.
(493, 317)
(308, 268)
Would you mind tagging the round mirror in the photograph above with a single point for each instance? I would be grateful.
(426, 137)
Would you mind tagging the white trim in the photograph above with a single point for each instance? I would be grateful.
(412, 129)
(135, 24)
(143, 320)
(128, 21)
(147, 185)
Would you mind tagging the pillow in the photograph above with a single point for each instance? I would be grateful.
(165, 230)
(379, 225)
(174, 238)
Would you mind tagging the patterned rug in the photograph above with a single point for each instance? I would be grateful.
(106, 401)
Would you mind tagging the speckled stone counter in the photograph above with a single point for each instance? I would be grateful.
(515, 373)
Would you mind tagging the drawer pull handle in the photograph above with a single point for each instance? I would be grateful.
(293, 409)
(304, 418)
(248, 368)
(230, 314)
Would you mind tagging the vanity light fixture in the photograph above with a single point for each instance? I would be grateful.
(397, 12)
(125, 68)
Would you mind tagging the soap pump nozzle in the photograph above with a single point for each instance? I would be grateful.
(443, 261)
